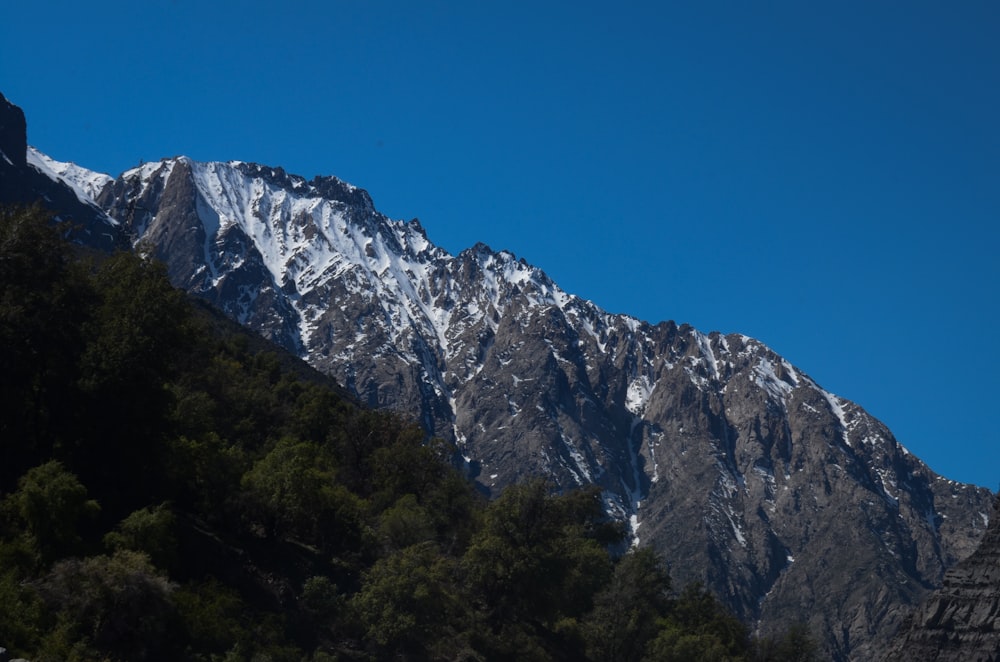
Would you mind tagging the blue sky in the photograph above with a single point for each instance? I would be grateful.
(822, 176)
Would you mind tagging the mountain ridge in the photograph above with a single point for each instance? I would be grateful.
(676, 425)
(713, 448)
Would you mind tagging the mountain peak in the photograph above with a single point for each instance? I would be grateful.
(13, 134)
(87, 184)
(333, 188)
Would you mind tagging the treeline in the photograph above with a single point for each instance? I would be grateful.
(168, 491)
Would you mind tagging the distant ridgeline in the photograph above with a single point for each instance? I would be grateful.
(713, 450)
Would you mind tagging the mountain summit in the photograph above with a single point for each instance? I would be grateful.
(789, 502)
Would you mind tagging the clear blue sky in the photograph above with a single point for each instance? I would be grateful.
(822, 176)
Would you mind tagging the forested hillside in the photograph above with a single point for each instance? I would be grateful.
(171, 489)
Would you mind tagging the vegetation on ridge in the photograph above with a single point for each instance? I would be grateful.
(170, 492)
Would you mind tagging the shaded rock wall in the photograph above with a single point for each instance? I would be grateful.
(960, 622)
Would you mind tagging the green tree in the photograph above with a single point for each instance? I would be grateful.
(405, 523)
(44, 302)
(698, 625)
(134, 335)
(628, 610)
(150, 531)
(320, 599)
(293, 492)
(119, 604)
(52, 504)
(674, 643)
(533, 560)
(318, 413)
(214, 619)
(409, 605)
(405, 466)
(138, 327)
(21, 614)
(795, 645)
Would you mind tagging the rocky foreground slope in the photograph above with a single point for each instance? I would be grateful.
(788, 501)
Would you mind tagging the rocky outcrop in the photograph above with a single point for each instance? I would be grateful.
(22, 183)
(13, 136)
(960, 622)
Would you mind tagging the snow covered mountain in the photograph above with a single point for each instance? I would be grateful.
(790, 502)
(86, 184)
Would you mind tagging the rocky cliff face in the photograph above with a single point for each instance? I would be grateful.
(26, 178)
(959, 622)
(788, 501)
(13, 137)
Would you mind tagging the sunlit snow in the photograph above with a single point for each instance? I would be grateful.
(86, 184)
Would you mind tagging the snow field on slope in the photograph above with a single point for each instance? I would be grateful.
(86, 184)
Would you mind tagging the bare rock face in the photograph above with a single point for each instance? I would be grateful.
(13, 135)
(788, 501)
(160, 206)
(961, 620)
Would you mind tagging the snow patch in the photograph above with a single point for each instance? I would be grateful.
(734, 522)
(633, 525)
(638, 394)
(836, 406)
(766, 377)
(705, 344)
(86, 184)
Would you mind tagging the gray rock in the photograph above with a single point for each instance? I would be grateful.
(961, 620)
